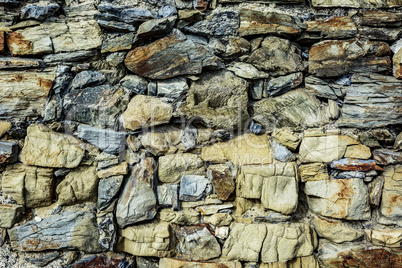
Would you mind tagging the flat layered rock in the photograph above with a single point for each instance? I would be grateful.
(66, 230)
(10, 214)
(387, 157)
(387, 237)
(313, 172)
(46, 148)
(332, 28)
(24, 94)
(167, 57)
(357, 3)
(2, 42)
(382, 34)
(337, 57)
(335, 230)
(397, 63)
(156, 27)
(163, 140)
(40, 11)
(380, 18)
(391, 201)
(174, 263)
(29, 41)
(353, 164)
(19, 63)
(172, 167)
(339, 198)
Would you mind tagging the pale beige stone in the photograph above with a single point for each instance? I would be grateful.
(358, 151)
(29, 41)
(357, 3)
(219, 219)
(146, 111)
(385, 237)
(120, 169)
(172, 167)
(285, 137)
(46, 148)
(313, 172)
(163, 140)
(391, 201)
(301, 262)
(9, 215)
(183, 217)
(176, 263)
(4, 127)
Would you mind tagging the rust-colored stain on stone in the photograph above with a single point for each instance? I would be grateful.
(18, 45)
(352, 164)
(223, 184)
(370, 258)
(2, 42)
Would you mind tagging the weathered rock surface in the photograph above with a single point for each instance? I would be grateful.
(29, 186)
(295, 108)
(271, 184)
(253, 22)
(172, 167)
(280, 85)
(153, 240)
(222, 180)
(167, 57)
(76, 230)
(40, 11)
(10, 214)
(46, 148)
(397, 63)
(79, 185)
(197, 243)
(108, 189)
(380, 18)
(218, 100)
(29, 41)
(277, 56)
(287, 138)
(4, 127)
(110, 141)
(194, 188)
(387, 157)
(308, 261)
(20, 63)
(186, 217)
(88, 78)
(391, 202)
(117, 170)
(168, 196)
(332, 28)
(336, 57)
(321, 88)
(313, 172)
(118, 42)
(2, 42)
(340, 199)
(357, 3)
(383, 34)
(145, 111)
(177, 263)
(156, 27)
(247, 149)
(137, 201)
(24, 94)
(335, 230)
(8, 152)
(163, 140)
(354, 165)
(385, 237)
(246, 70)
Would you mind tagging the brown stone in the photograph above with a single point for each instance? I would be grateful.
(2, 42)
(380, 18)
(397, 61)
(201, 5)
(370, 258)
(222, 180)
(332, 28)
(29, 41)
(387, 157)
(176, 263)
(357, 3)
(19, 63)
(355, 164)
(338, 57)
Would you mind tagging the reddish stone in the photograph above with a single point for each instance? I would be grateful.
(355, 164)
(2, 42)
(222, 180)
(375, 258)
(102, 261)
(202, 5)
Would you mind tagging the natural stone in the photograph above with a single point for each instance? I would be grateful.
(387, 157)
(66, 230)
(281, 153)
(20, 63)
(335, 230)
(332, 28)
(2, 42)
(253, 22)
(219, 219)
(385, 237)
(358, 151)
(117, 42)
(339, 198)
(46, 148)
(213, 209)
(4, 127)
(292, 109)
(218, 100)
(29, 41)
(120, 169)
(222, 180)
(236, 47)
(270, 183)
(324, 89)
(24, 94)
(79, 185)
(280, 85)
(101, 261)
(134, 83)
(277, 56)
(153, 240)
(194, 188)
(108, 189)
(308, 261)
(391, 201)
(69, 57)
(246, 70)
(29, 186)
(172, 88)
(156, 27)
(172, 167)
(337, 57)
(107, 231)
(10, 214)
(146, 111)
(313, 172)
(88, 78)
(168, 196)
(287, 138)
(177, 263)
(40, 11)
(197, 243)
(355, 164)
(8, 152)
(356, 3)
(167, 57)
(375, 191)
(380, 18)
(137, 201)
(397, 63)
(183, 217)
(162, 140)
(246, 149)
(107, 140)
(383, 34)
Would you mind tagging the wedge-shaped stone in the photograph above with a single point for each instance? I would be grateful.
(29, 186)
(24, 94)
(156, 27)
(218, 100)
(253, 22)
(276, 185)
(292, 109)
(66, 230)
(391, 202)
(357, 3)
(372, 101)
(177, 263)
(247, 149)
(332, 28)
(168, 57)
(337, 57)
(46, 148)
(10, 214)
(137, 201)
(172, 167)
(339, 198)
(222, 179)
(149, 240)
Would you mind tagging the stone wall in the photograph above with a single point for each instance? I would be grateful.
(208, 133)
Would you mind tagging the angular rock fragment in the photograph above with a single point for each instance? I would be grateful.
(357, 3)
(110, 141)
(39, 11)
(280, 85)
(163, 140)
(9, 215)
(194, 188)
(236, 47)
(168, 195)
(286, 137)
(340, 199)
(213, 209)
(46, 148)
(174, 263)
(135, 84)
(222, 179)
(8, 152)
(355, 164)
(107, 231)
(20, 63)
(397, 63)
(137, 201)
(66, 230)
(308, 261)
(186, 217)
(387, 157)
(145, 111)
(156, 27)
(253, 22)
(326, 90)
(313, 172)
(382, 34)
(391, 201)
(332, 28)
(120, 169)
(246, 70)
(88, 78)
(29, 41)
(385, 237)
(336, 57)
(281, 153)
(172, 88)
(29, 186)
(172, 167)
(117, 42)
(168, 57)
(69, 57)
(107, 190)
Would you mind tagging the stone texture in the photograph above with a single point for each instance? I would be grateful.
(167, 57)
(108, 189)
(162, 140)
(24, 93)
(107, 140)
(134, 83)
(354, 165)
(10, 214)
(271, 184)
(332, 28)
(324, 89)
(145, 111)
(172, 167)
(8, 152)
(177, 263)
(301, 262)
(2, 42)
(280, 85)
(66, 230)
(172, 88)
(29, 186)
(168, 196)
(46, 148)
(20, 63)
(397, 63)
(380, 18)
(40, 11)
(218, 100)
(391, 201)
(137, 201)
(29, 41)
(246, 70)
(183, 217)
(383, 34)
(222, 180)
(5, 126)
(277, 56)
(253, 22)
(194, 188)
(117, 42)
(246, 149)
(79, 185)
(156, 27)
(337, 57)
(387, 157)
(287, 138)
(313, 172)
(196, 243)
(120, 169)
(335, 230)
(219, 219)
(88, 78)
(153, 240)
(357, 3)
(385, 237)
(292, 109)
(340, 199)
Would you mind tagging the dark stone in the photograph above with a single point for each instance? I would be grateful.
(134, 84)
(156, 27)
(116, 42)
(107, 231)
(8, 152)
(69, 57)
(107, 190)
(222, 180)
(116, 26)
(39, 12)
(103, 261)
(349, 174)
(280, 85)
(147, 262)
(130, 15)
(88, 78)
(167, 11)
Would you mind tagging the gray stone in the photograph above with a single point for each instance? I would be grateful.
(105, 22)
(156, 27)
(107, 231)
(130, 15)
(135, 84)
(324, 89)
(116, 42)
(172, 88)
(168, 195)
(110, 141)
(69, 57)
(194, 188)
(281, 153)
(107, 190)
(40, 11)
(8, 152)
(280, 85)
(196, 243)
(382, 34)
(387, 157)
(143, 262)
(9, 215)
(189, 138)
(167, 11)
(137, 201)
(88, 78)
(115, 59)
(356, 3)
(247, 70)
